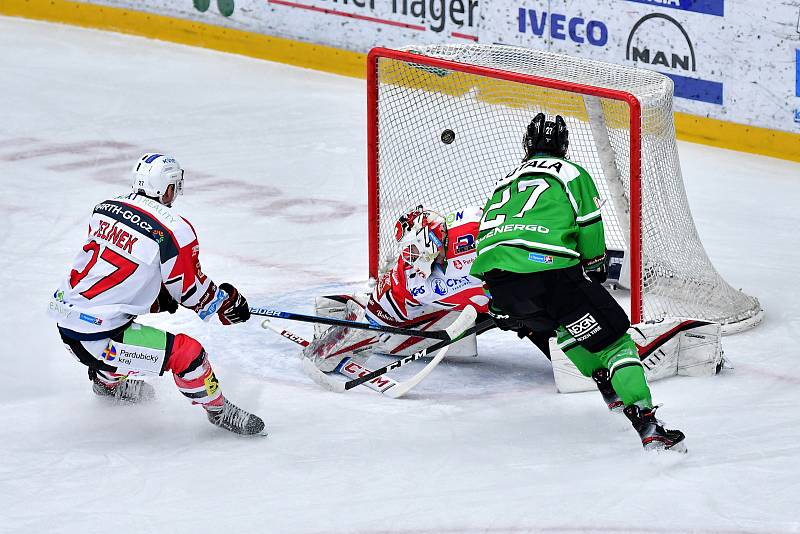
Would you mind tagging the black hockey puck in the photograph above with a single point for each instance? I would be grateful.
(448, 136)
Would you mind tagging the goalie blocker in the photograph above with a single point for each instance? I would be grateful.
(673, 346)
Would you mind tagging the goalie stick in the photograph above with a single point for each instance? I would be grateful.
(350, 370)
(466, 317)
(446, 334)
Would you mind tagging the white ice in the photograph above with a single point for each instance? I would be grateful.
(275, 186)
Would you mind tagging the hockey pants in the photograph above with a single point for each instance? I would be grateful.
(114, 358)
(590, 325)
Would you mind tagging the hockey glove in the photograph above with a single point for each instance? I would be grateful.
(596, 269)
(505, 321)
(235, 308)
(164, 302)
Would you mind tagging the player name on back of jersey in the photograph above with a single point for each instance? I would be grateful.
(115, 235)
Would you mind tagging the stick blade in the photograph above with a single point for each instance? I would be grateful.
(462, 322)
(321, 378)
(404, 387)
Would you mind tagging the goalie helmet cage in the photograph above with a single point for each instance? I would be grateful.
(445, 122)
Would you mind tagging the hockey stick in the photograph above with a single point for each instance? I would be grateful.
(466, 317)
(350, 369)
(446, 334)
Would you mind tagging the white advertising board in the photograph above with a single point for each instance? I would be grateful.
(733, 60)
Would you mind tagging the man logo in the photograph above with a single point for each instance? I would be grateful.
(662, 44)
(660, 41)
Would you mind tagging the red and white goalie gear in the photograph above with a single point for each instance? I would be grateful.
(334, 344)
(410, 295)
(134, 245)
(669, 347)
(404, 294)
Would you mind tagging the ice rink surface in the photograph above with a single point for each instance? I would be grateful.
(276, 188)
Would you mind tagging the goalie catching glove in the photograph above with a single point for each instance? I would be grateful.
(339, 342)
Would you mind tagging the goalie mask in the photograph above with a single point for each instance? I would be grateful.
(546, 137)
(421, 234)
(154, 173)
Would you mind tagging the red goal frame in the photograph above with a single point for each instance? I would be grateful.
(373, 185)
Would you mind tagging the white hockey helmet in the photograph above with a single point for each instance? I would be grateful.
(421, 234)
(153, 173)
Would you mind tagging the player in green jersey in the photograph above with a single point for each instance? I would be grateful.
(541, 252)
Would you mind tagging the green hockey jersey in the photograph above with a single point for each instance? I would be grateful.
(543, 215)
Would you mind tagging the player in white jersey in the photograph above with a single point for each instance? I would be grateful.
(140, 256)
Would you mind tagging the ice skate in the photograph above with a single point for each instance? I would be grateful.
(123, 390)
(614, 403)
(651, 430)
(232, 418)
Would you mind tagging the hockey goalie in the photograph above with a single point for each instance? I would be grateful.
(429, 284)
(426, 289)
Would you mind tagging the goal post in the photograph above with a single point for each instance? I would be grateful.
(621, 131)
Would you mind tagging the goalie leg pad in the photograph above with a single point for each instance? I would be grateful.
(673, 346)
(339, 342)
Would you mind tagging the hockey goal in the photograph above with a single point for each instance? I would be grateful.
(446, 121)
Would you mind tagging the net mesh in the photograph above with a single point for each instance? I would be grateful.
(418, 103)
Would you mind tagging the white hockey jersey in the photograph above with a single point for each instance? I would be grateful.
(403, 295)
(133, 246)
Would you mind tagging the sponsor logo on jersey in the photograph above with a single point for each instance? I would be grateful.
(90, 319)
(127, 356)
(584, 327)
(158, 235)
(516, 228)
(464, 244)
(110, 353)
(454, 217)
(140, 221)
(417, 291)
(443, 286)
(540, 258)
(439, 287)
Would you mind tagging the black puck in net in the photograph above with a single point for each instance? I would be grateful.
(448, 136)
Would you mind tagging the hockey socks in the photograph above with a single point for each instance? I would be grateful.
(198, 383)
(621, 358)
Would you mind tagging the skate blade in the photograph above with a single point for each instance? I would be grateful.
(679, 447)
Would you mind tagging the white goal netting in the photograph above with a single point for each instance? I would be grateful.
(413, 103)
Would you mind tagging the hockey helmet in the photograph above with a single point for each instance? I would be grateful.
(546, 137)
(153, 173)
(421, 234)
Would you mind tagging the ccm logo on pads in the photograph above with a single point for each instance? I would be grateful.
(584, 327)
